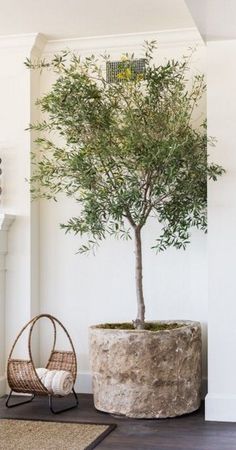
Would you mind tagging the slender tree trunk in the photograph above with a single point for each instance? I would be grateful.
(139, 322)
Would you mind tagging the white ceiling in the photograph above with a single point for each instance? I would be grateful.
(59, 19)
(215, 19)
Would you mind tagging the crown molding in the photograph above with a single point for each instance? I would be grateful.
(23, 41)
(39, 43)
(186, 36)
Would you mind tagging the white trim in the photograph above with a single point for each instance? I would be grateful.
(40, 42)
(3, 251)
(18, 41)
(220, 408)
(6, 221)
(183, 36)
(2, 386)
(83, 384)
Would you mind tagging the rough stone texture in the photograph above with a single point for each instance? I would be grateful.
(146, 374)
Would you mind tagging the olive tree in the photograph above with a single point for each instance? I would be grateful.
(125, 151)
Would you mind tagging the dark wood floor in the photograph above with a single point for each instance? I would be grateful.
(184, 433)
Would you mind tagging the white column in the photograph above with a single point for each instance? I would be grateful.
(221, 76)
(18, 90)
(5, 222)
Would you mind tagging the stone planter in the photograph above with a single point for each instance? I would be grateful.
(147, 374)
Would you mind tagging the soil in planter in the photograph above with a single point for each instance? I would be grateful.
(149, 326)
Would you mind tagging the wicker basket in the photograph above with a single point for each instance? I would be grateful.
(21, 373)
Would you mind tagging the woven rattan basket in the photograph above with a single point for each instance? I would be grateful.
(21, 373)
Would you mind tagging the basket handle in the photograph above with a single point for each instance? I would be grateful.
(32, 322)
(54, 321)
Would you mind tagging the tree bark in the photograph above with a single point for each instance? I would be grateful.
(139, 322)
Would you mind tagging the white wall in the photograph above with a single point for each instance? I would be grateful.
(221, 399)
(83, 290)
(5, 222)
(3, 239)
(15, 145)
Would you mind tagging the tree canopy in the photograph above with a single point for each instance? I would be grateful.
(128, 150)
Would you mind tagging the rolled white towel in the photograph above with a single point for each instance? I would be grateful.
(58, 382)
(62, 382)
(48, 379)
(41, 372)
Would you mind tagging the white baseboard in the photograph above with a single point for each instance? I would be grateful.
(83, 384)
(2, 386)
(220, 408)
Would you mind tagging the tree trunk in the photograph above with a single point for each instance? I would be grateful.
(139, 322)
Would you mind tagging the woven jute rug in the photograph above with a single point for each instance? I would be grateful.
(45, 435)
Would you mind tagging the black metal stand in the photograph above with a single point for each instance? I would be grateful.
(50, 397)
(19, 403)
